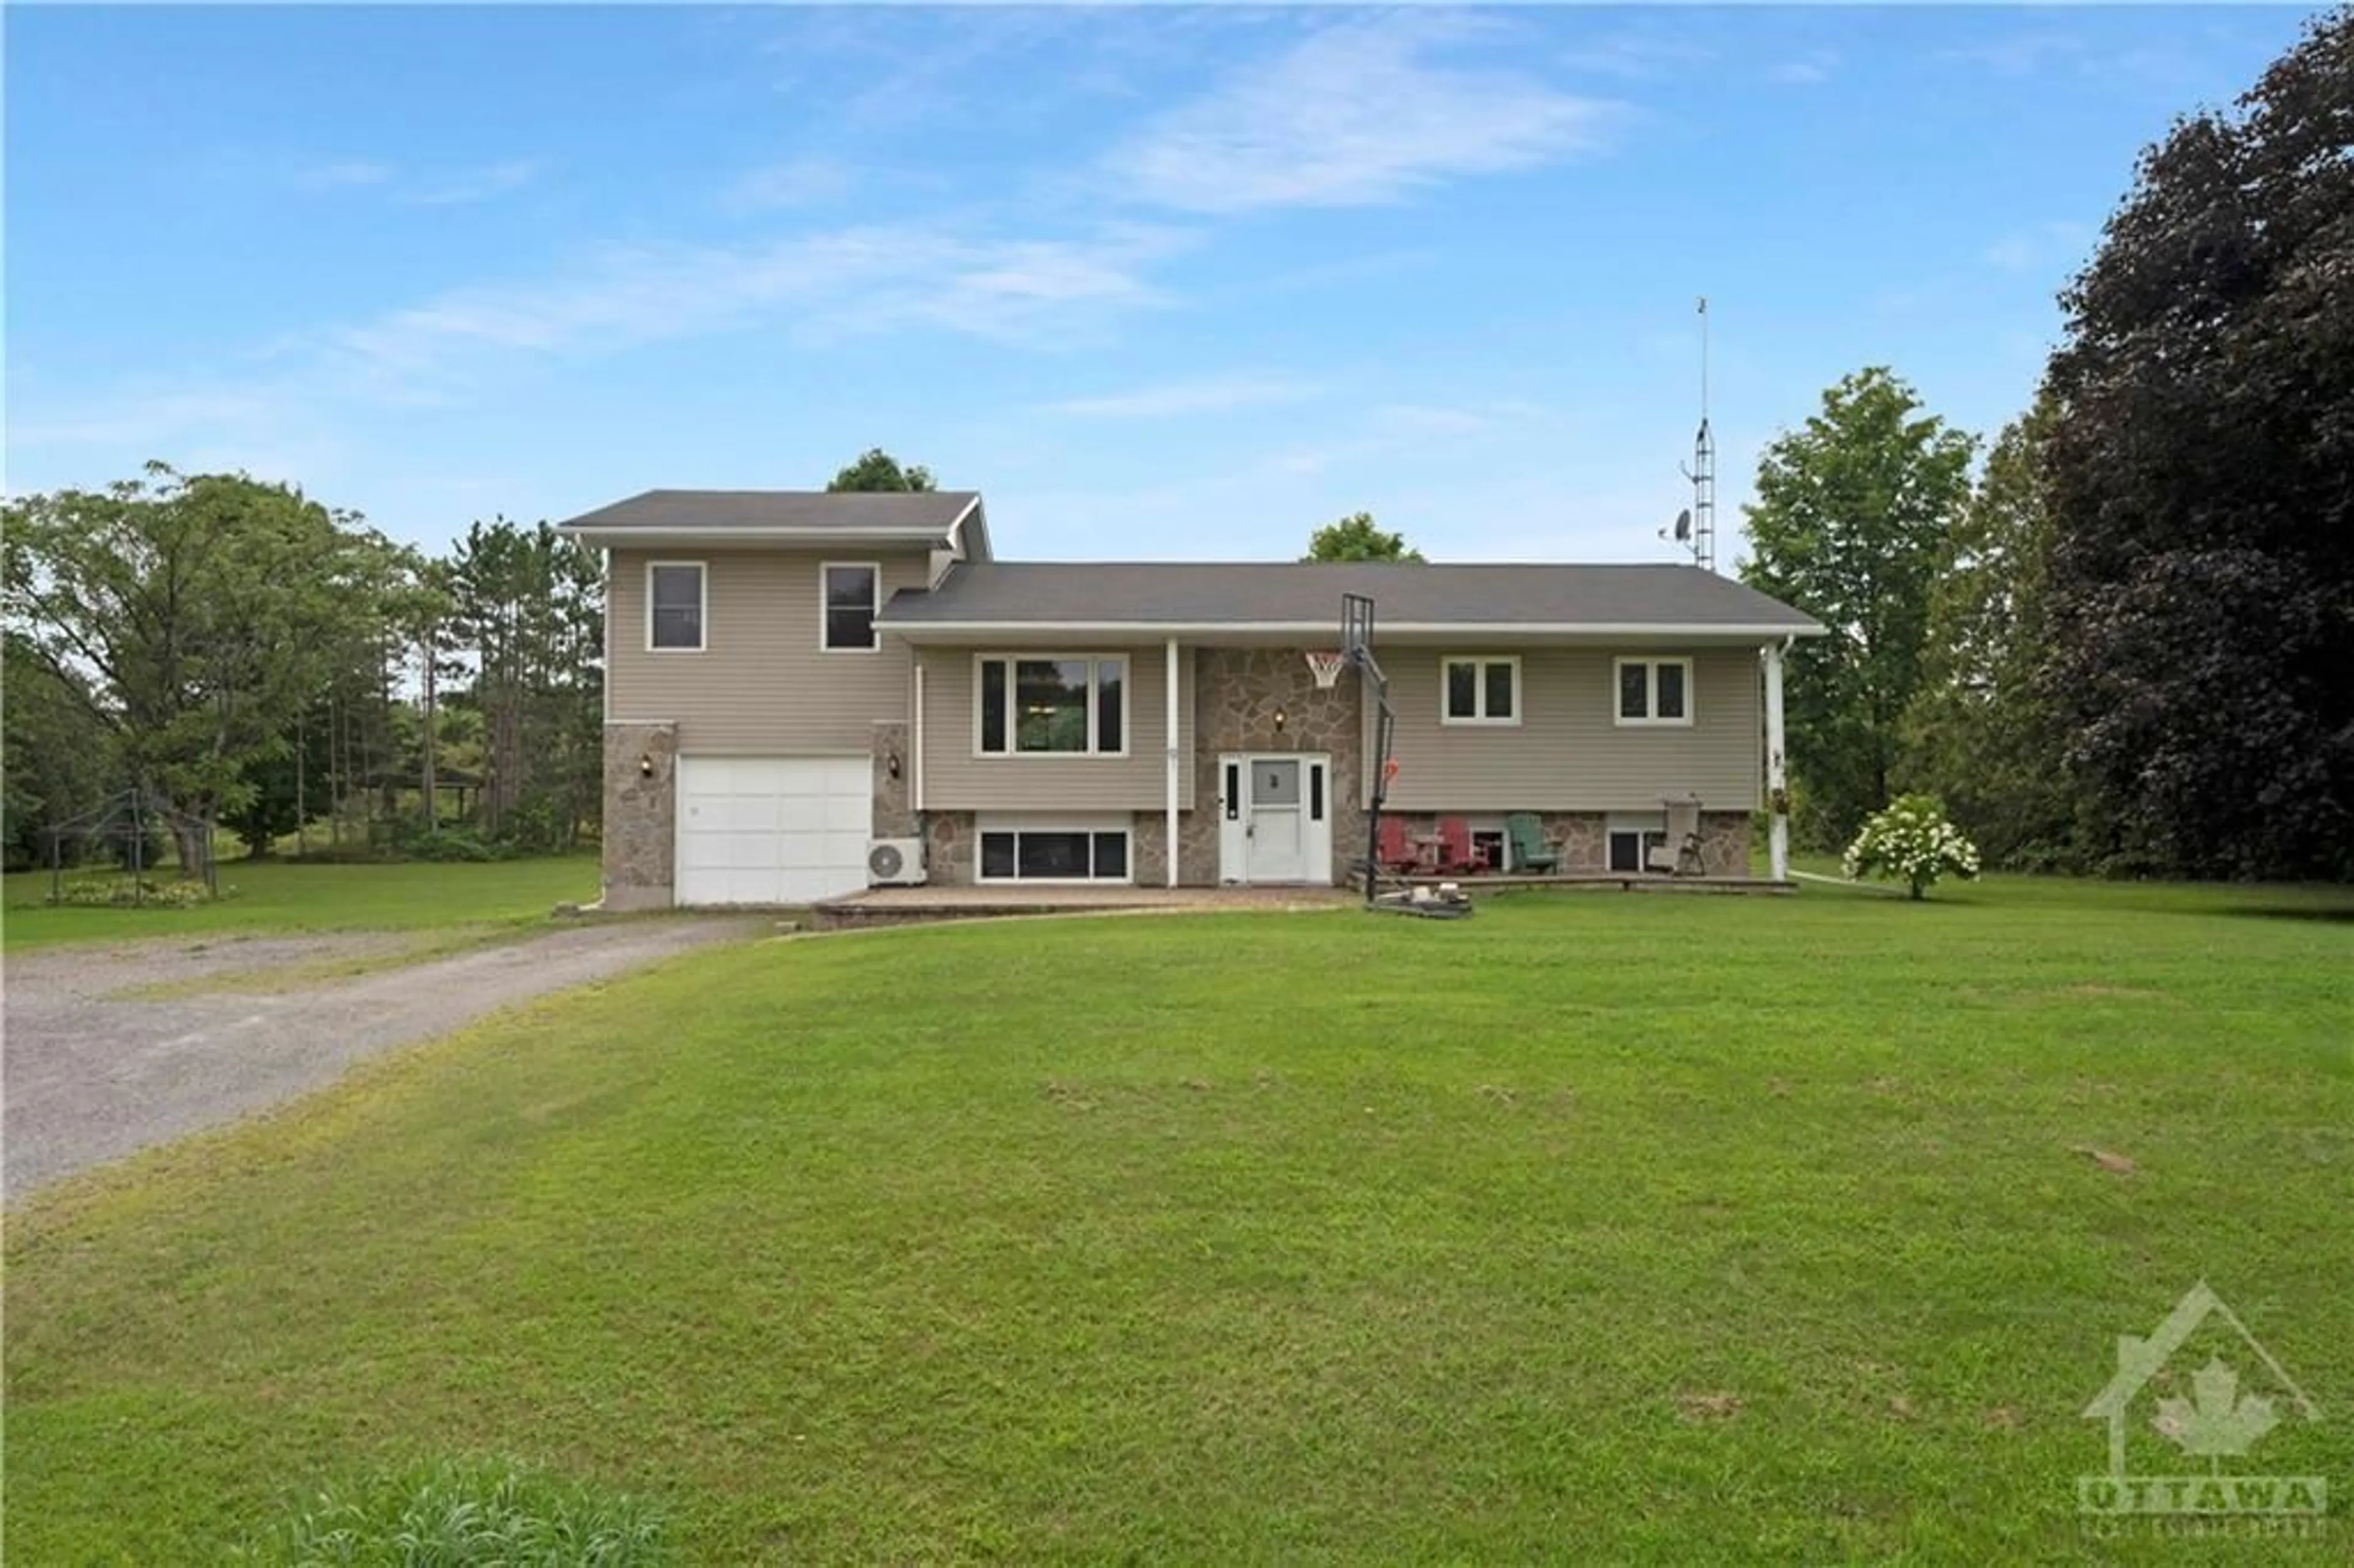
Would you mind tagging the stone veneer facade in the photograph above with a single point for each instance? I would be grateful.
(1238, 695)
(641, 829)
(952, 839)
(1725, 841)
(1585, 837)
(894, 810)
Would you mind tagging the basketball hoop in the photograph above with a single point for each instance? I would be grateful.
(1326, 666)
(1389, 771)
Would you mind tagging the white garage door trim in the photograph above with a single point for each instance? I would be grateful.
(771, 829)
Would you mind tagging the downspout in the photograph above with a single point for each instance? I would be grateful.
(916, 764)
(1169, 841)
(1777, 794)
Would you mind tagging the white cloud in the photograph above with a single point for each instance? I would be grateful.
(344, 173)
(1356, 114)
(1426, 418)
(2011, 253)
(1217, 394)
(415, 189)
(476, 184)
(1635, 56)
(890, 67)
(137, 415)
(2042, 246)
(450, 348)
(2018, 54)
(807, 181)
(825, 286)
(1807, 70)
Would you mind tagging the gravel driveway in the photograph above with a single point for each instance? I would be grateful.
(93, 1075)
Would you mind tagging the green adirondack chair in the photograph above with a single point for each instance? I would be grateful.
(1531, 851)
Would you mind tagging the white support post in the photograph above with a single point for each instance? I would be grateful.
(1777, 776)
(1169, 841)
(916, 748)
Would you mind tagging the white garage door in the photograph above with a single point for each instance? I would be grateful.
(771, 829)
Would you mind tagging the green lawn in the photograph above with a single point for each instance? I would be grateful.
(1596, 1227)
(278, 896)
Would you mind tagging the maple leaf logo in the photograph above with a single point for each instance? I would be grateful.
(2215, 1420)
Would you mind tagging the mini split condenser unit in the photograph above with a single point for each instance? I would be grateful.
(895, 862)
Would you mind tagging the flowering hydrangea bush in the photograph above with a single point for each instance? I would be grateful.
(1911, 841)
(123, 892)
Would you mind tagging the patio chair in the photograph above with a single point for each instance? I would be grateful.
(1530, 849)
(1456, 850)
(1397, 849)
(1680, 856)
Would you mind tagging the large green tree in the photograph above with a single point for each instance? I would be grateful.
(1850, 523)
(1981, 731)
(57, 759)
(190, 613)
(1358, 538)
(2202, 567)
(878, 469)
(525, 619)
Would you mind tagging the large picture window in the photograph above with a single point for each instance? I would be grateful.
(674, 607)
(1653, 691)
(1480, 691)
(852, 594)
(1051, 705)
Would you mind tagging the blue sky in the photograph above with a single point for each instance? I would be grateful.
(1162, 282)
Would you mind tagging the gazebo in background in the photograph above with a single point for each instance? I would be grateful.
(121, 830)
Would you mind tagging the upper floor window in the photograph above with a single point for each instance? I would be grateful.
(1654, 691)
(853, 595)
(1074, 705)
(1480, 690)
(674, 606)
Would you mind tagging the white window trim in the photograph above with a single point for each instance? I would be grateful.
(702, 608)
(1123, 826)
(1095, 712)
(1651, 692)
(1479, 689)
(825, 606)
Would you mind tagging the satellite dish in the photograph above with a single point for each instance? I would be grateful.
(1683, 526)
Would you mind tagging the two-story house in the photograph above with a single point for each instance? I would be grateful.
(794, 679)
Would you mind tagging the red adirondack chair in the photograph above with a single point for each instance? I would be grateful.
(1398, 850)
(1457, 852)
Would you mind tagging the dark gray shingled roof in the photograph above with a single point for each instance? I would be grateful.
(850, 512)
(1307, 594)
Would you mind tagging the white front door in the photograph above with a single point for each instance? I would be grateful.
(1276, 817)
(771, 829)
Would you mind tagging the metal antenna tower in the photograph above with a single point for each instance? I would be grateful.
(1702, 472)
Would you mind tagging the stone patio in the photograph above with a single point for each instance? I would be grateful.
(906, 905)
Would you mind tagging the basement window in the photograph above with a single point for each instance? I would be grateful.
(1634, 836)
(1054, 854)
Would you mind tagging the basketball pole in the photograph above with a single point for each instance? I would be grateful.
(1357, 645)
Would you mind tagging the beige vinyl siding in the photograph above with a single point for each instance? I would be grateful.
(1567, 753)
(958, 780)
(761, 686)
